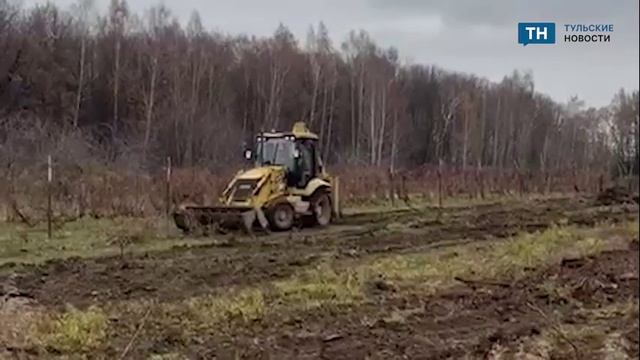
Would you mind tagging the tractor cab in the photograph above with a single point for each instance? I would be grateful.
(296, 151)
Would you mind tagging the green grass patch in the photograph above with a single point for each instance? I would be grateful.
(321, 286)
(87, 237)
(510, 258)
(245, 305)
(633, 229)
(74, 331)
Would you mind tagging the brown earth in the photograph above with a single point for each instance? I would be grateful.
(469, 321)
(617, 195)
(183, 272)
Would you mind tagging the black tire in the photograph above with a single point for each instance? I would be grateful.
(183, 222)
(281, 216)
(321, 209)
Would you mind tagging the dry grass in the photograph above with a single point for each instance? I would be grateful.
(595, 339)
(112, 191)
(168, 356)
(72, 332)
(19, 329)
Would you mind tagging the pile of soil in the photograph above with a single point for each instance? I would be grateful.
(616, 195)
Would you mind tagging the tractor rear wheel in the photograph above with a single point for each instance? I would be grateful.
(281, 216)
(320, 205)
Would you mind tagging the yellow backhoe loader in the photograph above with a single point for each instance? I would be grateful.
(286, 185)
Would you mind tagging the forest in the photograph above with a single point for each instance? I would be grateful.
(125, 91)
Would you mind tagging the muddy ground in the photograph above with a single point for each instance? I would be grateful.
(183, 272)
(473, 320)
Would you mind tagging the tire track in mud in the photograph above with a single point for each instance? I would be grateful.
(184, 272)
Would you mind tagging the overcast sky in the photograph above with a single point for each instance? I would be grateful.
(472, 36)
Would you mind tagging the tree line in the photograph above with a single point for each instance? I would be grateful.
(132, 89)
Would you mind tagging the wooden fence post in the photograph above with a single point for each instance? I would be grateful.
(392, 188)
(336, 197)
(168, 188)
(440, 183)
(49, 183)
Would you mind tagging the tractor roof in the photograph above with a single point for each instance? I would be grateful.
(299, 131)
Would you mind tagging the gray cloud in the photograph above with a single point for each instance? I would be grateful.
(480, 37)
(461, 11)
(505, 12)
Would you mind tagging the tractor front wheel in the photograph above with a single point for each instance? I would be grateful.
(281, 216)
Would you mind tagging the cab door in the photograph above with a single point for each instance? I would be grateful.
(306, 165)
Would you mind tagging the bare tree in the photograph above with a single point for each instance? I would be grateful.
(147, 88)
(83, 10)
(118, 13)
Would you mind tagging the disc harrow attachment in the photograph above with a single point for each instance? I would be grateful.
(222, 219)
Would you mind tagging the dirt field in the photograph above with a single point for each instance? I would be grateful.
(417, 284)
(471, 321)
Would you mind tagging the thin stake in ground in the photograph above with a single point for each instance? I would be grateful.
(49, 181)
